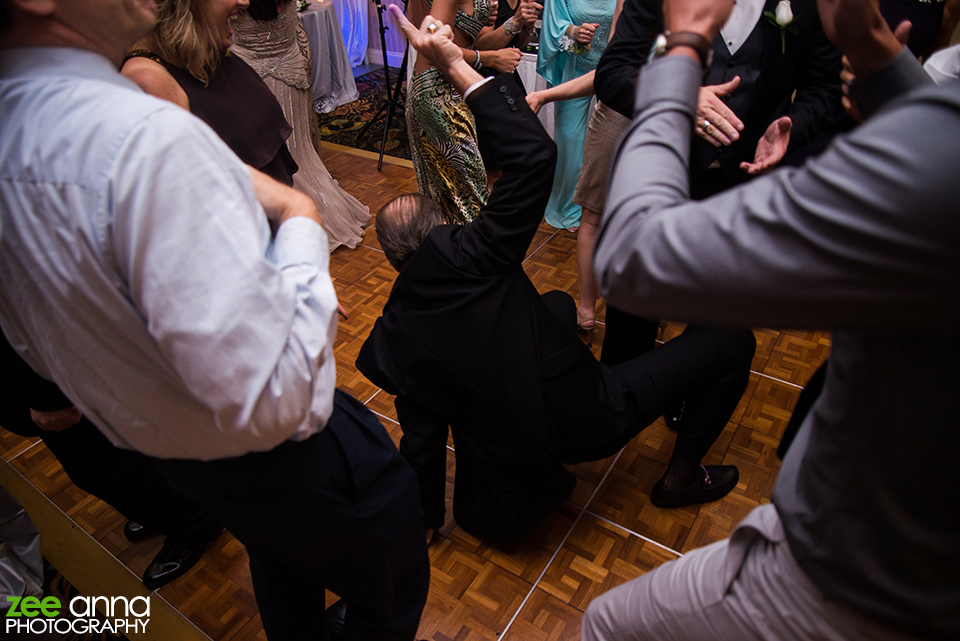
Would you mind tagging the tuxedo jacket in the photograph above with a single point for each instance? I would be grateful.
(466, 341)
(806, 63)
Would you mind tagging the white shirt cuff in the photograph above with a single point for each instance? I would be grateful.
(300, 240)
(472, 87)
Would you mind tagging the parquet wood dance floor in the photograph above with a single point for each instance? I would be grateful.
(605, 534)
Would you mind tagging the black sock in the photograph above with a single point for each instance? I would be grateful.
(680, 474)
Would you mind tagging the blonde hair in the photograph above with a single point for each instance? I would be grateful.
(186, 36)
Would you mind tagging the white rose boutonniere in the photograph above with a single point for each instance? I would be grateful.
(783, 19)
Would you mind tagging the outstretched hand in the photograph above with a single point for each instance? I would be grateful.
(716, 122)
(772, 147)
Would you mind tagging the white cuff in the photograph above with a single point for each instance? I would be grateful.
(300, 240)
(478, 83)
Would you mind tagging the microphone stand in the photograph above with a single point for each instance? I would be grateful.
(392, 93)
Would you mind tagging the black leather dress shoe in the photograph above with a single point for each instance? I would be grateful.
(175, 559)
(136, 532)
(714, 483)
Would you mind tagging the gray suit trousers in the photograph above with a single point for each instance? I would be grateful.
(742, 588)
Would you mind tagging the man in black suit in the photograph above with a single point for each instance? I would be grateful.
(466, 340)
(748, 89)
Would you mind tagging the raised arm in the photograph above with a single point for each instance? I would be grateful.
(511, 140)
(579, 87)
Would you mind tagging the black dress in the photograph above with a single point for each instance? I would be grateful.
(242, 110)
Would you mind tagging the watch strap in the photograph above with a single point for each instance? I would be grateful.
(696, 41)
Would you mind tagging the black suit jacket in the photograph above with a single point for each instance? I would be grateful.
(810, 66)
(466, 341)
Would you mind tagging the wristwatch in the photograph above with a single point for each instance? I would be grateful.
(698, 42)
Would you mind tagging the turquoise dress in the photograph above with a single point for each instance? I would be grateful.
(558, 66)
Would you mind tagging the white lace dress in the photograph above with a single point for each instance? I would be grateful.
(279, 52)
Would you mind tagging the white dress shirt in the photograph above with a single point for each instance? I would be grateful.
(741, 23)
(944, 65)
(137, 271)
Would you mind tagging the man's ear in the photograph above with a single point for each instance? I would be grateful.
(35, 7)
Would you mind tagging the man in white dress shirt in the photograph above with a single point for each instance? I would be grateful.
(138, 272)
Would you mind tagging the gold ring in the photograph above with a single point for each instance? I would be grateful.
(432, 27)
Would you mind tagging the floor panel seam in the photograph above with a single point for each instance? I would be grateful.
(19, 454)
(541, 245)
(779, 380)
(636, 534)
(543, 573)
(539, 578)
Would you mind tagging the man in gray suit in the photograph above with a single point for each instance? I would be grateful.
(862, 539)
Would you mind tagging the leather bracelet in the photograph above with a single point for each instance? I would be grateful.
(696, 41)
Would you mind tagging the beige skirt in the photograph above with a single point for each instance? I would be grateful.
(603, 132)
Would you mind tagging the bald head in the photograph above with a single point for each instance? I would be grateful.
(402, 225)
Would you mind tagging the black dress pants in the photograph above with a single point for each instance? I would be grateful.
(705, 368)
(340, 510)
(125, 479)
(128, 481)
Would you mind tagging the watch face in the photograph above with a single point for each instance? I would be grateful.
(659, 47)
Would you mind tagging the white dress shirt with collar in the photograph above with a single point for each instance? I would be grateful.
(741, 23)
(138, 273)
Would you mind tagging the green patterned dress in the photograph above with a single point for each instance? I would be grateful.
(443, 136)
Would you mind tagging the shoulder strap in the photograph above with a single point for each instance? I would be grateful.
(142, 53)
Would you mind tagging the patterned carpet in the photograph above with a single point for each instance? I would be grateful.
(342, 125)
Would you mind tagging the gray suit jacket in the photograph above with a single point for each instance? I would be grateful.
(864, 240)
